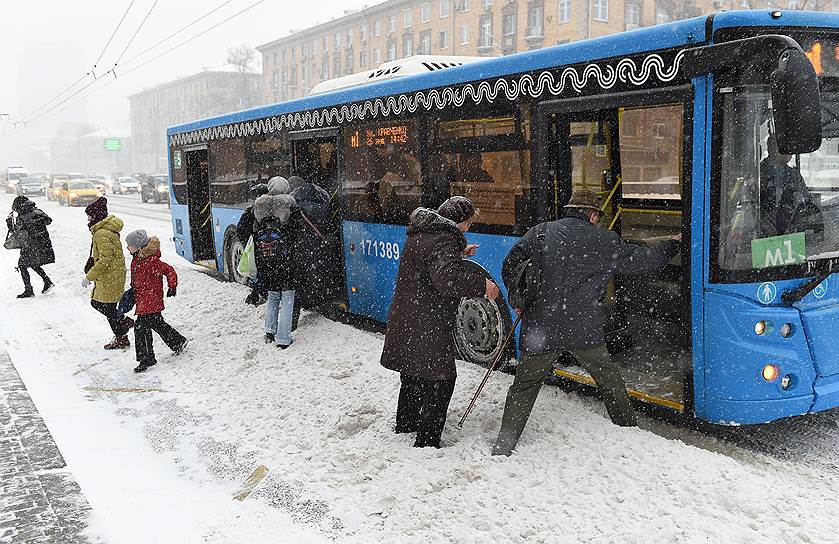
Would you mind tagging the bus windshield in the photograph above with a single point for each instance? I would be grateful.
(775, 210)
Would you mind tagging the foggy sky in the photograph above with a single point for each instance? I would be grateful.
(45, 46)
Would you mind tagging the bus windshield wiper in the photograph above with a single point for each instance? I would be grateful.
(822, 266)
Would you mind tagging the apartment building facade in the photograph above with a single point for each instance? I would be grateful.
(395, 29)
(207, 93)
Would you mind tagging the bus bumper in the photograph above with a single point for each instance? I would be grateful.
(749, 412)
(827, 393)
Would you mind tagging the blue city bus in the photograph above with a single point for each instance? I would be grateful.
(722, 128)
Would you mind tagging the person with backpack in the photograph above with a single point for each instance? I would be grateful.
(147, 273)
(274, 238)
(578, 260)
(105, 268)
(419, 344)
(244, 230)
(31, 224)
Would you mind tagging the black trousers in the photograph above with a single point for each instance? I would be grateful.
(109, 310)
(24, 274)
(422, 408)
(143, 341)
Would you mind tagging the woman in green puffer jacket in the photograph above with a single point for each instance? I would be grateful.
(106, 269)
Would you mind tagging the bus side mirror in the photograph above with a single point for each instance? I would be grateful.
(796, 108)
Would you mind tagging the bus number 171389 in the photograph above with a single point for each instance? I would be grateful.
(379, 248)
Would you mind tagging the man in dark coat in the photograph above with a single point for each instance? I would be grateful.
(579, 259)
(37, 251)
(317, 249)
(432, 279)
(244, 230)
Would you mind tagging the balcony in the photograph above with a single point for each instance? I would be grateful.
(534, 36)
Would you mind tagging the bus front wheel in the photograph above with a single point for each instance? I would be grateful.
(480, 328)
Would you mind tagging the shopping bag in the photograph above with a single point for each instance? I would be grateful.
(247, 262)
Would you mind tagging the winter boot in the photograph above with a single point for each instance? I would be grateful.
(29, 293)
(119, 342)
(47, 286)
(180, 349)
(144, 365)
(127, 323)
(269, 338)
(283, 346)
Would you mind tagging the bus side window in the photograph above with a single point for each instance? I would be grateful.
(383, 179)
(228, 180)
(266, 157)
(486, 160)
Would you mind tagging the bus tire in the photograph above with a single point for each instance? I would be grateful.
(480, 328)
(233, 250)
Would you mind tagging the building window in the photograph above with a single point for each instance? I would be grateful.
(633, 16)
(601, 10)
(377, 56)
(336, 65)
(337, 40)
(509, 25)
(661, 16)
(564, 11)
(408, 18)
(444, 39)
(534, 21)
(407, 45)
(362, 58)
(464, 5)
(486, 4)
(377, 28)
(464, 34)
(324, 68)
(425, 13)
(391, 50)
(362, 33)
(325, 41)
(391, 23)
(445, 8)
(425, 42)
(486, 31)
(349, 36)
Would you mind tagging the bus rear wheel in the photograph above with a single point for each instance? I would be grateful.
(480, 328)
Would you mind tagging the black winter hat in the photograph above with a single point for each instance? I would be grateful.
(457, 209)
(18, 202)
(259, 189)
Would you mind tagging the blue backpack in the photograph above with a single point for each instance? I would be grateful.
(271, 245)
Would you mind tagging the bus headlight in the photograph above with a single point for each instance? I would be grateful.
(760, 328)
(770, 373)
(786, 330)
(786, 382)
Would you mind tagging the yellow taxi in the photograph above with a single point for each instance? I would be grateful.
(78, 192)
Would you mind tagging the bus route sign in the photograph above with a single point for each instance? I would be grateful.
(779, 250)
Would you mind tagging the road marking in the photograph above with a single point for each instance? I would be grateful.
(251, 483)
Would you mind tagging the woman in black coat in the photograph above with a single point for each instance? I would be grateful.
(419, 343)
(37, 250)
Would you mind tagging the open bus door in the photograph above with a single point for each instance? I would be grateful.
(200, 206)
(632, 149)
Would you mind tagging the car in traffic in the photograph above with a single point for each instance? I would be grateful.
(30, 185)
(124, 185)
(100, 182)
(155, 188)
(54, 185)
(78, 193)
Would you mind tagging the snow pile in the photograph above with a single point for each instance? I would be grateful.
(320, 415)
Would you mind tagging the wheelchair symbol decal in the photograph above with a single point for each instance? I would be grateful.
(821, 289)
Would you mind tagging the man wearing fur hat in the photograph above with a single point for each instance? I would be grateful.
(579, 259)
(274, 236)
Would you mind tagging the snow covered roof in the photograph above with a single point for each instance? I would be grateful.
(417, 64)
(106, 133)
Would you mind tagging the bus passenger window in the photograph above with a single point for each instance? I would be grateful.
(651, 147)
(267, 156)
(493, 180)
(228, 180)
(179, 176)
(382, 182)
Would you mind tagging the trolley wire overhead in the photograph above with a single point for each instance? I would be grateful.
(142, 23)
(54, 109)
(114, 33)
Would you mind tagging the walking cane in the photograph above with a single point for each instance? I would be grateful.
(489, 371)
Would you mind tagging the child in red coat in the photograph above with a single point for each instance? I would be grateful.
(147, 271)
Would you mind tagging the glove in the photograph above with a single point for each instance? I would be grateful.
(85, 283)
(171, 292)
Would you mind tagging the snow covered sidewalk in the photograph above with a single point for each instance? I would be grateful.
(160, 455)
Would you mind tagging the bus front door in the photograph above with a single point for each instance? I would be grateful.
(200, 208)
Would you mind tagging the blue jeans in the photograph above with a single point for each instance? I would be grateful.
(279, 310)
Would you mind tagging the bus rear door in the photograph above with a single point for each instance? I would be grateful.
(200, 206)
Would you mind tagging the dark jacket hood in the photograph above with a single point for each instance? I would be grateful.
(26, 207)
(425, 220)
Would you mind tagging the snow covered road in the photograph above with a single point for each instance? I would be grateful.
(160, 455)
